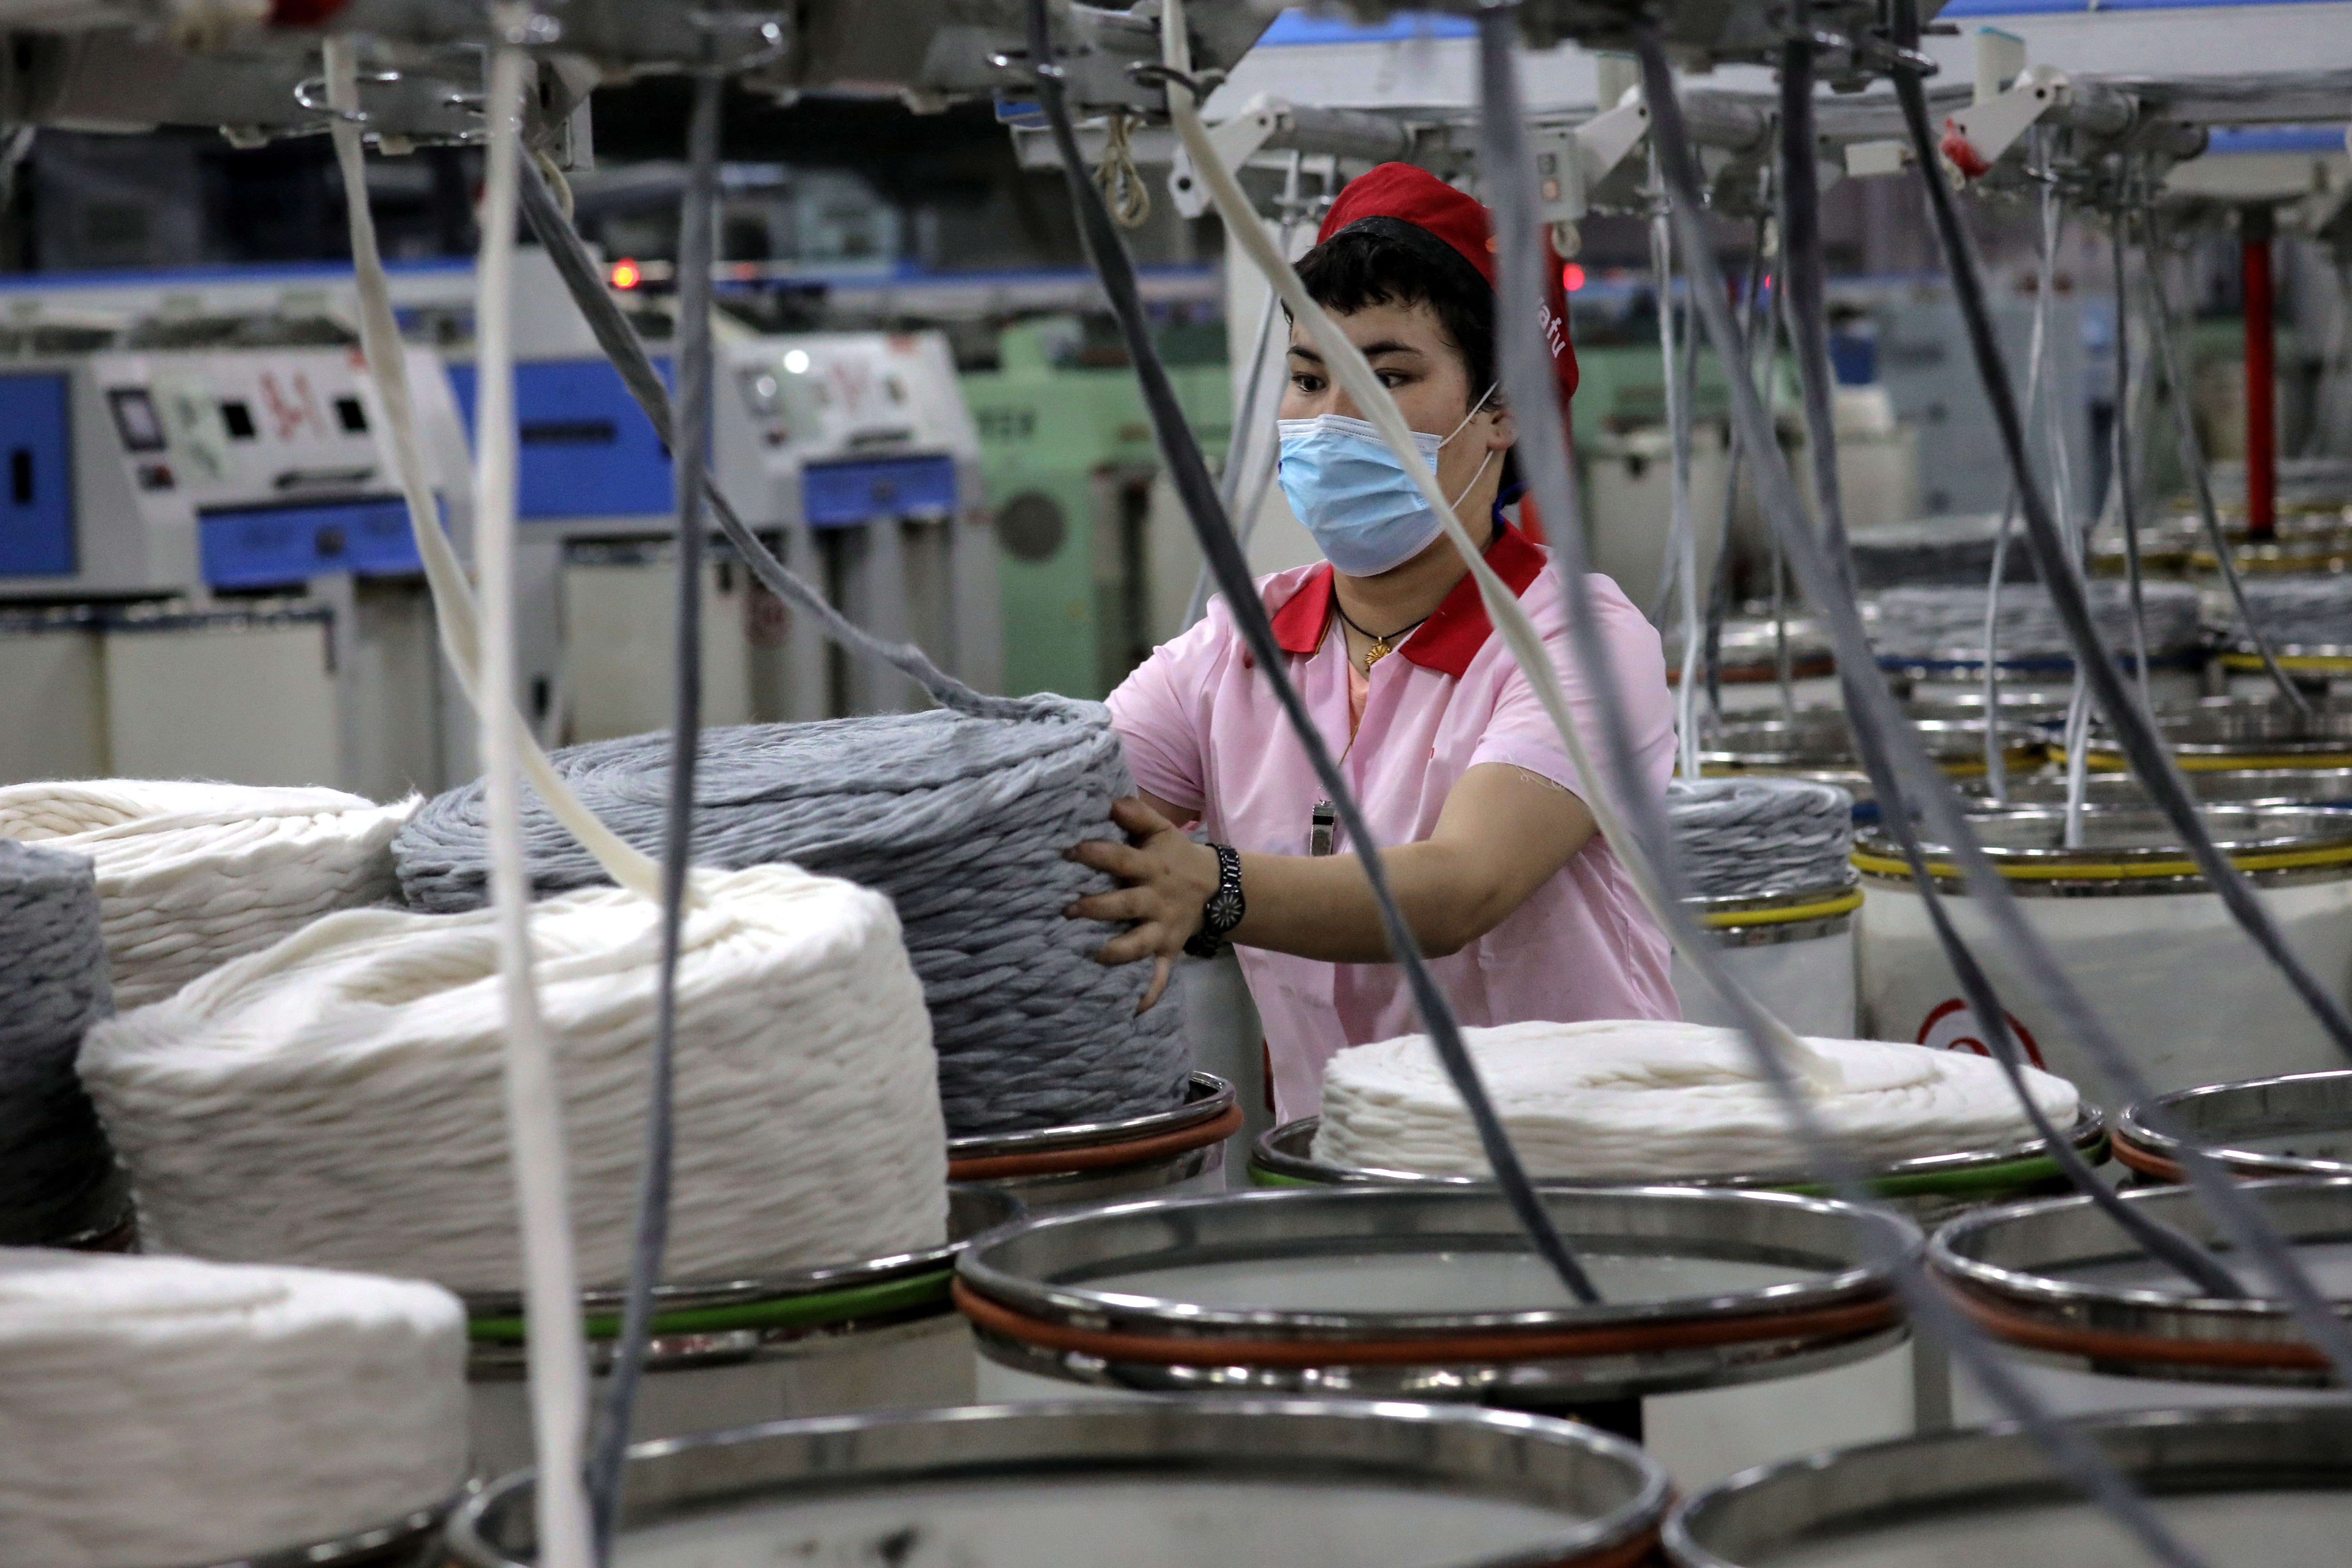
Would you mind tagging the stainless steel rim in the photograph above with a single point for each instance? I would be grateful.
(1039, 1268)
(1207, 1097)
(1944, 664)
(1282, 1151)
(972, 1210)
(378, 1541)
(2215, 787)
(1755, 1516)
(1621, 1490)
(1819, 738)
(2004, 1256)
(1959, 704)
(2213, 1115)
(1805, 737)
(2230, 726)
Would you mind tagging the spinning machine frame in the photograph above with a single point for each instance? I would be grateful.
(2097, 141)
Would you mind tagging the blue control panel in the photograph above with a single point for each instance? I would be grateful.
(261, 547)
(840, 495)
(37, 512)
(587, 450)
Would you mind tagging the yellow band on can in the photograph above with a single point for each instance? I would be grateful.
(2075, 871)
(1728, 920)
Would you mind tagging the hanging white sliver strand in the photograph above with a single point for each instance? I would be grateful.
(557, 1345)
(557, 1348)
(455, 612)
(1686, 530)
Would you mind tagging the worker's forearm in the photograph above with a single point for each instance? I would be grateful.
(1321, 907)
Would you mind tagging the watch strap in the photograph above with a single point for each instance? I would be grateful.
(1225, 908)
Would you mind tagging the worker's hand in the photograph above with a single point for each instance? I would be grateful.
(1169, 881)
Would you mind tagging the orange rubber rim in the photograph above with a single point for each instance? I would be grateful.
(2146, 1162)
(2100, 1344)
(1168, 1349)
(1101, 1156)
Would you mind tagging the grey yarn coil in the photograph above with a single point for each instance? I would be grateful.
(1948, 622)
(1954, 550)
(1754, 837)
(2299, 612)
(961, 819)
(58, 1176)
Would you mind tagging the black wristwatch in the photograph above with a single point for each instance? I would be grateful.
(1225, 908)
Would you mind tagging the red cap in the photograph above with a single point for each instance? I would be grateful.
(1417, 197)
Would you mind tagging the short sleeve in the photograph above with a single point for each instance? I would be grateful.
(1155, 711)
(1522, 733)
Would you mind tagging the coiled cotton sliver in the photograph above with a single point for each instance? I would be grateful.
(57, 1174)
(960, 820)
(337, 1099)
(2299, 612)
(1754, 837)
(1649, 1099)
(1945, 623)
(191, 875)
(160, 1412)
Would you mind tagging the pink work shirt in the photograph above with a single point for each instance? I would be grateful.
(1203, 731)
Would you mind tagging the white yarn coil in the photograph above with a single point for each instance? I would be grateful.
(1641, 1100)
(335, 1100)
(191, 875)
(1948, 622)
(160, 1412)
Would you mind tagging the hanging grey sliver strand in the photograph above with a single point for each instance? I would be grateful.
(58, 1176)
(960, 820)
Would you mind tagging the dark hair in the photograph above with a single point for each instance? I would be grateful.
(1387, 261)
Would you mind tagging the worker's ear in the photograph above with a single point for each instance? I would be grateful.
(1502, 430)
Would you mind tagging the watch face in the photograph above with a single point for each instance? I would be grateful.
(1225, 910)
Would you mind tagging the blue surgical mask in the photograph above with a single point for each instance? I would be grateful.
(1363, 507)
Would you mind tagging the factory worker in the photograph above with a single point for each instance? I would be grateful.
(1525, 912)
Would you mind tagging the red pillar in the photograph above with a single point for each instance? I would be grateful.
(2255, 228)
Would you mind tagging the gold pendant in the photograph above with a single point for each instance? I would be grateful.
(1378, 651)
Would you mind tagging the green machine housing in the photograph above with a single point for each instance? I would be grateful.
(1068, 459)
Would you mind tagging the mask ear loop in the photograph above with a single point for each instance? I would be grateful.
(1475, 408)
(1482, 462)
(1475, 478)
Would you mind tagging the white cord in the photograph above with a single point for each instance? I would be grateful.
(1374, 401)
(557, 1347)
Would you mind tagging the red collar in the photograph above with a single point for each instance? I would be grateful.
(1452, 636)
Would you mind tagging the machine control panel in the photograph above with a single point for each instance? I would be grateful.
(858, 451)
(840, 393)
(587, 450)
(179, 471)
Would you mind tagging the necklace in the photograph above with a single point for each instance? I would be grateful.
(1383, 643)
